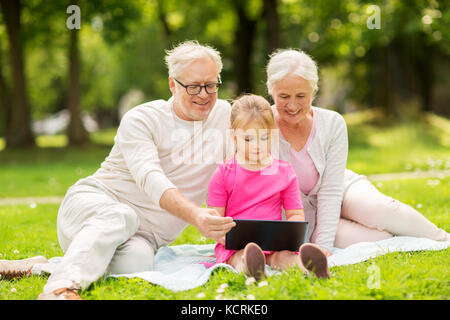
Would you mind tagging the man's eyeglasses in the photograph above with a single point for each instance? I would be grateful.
(193, 89)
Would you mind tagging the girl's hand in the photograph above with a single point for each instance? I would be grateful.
(327, 253)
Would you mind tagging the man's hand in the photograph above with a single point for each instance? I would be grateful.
(208, 221)
(211, 224)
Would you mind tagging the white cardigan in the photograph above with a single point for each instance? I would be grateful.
(328, 151)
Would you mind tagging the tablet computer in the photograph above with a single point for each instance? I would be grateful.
(270, 235)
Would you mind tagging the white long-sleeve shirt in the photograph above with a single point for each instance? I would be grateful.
(155, 150)
(328, 150)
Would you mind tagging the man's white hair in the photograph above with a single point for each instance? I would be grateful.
(187, 52)
(284, 62)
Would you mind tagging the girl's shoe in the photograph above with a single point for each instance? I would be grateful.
(314, 259)
(254, 261)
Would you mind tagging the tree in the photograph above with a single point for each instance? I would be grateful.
(76, 133)
(273, 28)
(5, 96)
(115, 16)
(244, 43)
(162, 17)
(18, 133)
(409, 52)
(230, 26)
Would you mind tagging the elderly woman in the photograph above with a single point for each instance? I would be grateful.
(342, 207)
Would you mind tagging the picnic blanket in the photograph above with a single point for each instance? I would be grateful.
(188, 266)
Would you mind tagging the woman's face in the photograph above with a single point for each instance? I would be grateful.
(293, 96)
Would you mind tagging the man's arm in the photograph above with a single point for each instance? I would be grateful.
(209, 222)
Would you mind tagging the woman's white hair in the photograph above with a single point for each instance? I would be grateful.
(284, 62)
(187, 52)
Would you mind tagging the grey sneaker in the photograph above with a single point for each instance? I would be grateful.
(254, 261)
(314, 260)
(61, 294)
(14, 269)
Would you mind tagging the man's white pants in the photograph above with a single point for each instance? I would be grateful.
(98, 235)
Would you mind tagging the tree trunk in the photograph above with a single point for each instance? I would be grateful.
(19, 132)
(243, 40)
(5, 98)
(273, 29)
(76, 132)
(162, 16)
(424, 67)
(401, 80)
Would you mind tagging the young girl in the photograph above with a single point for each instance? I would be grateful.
(255, 185)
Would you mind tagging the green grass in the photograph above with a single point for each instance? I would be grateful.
(47, 171)
(53, 167)
(26, 231)
(409, 146)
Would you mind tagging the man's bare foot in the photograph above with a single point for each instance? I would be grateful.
(61, 294)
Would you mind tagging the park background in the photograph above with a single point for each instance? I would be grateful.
(63, 92)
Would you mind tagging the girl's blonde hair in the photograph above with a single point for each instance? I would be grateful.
(250, 108)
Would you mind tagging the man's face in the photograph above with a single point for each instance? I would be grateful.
(194, 107)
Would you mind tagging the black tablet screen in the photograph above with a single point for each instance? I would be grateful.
(268, 234)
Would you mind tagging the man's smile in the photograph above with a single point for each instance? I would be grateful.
(201, 103)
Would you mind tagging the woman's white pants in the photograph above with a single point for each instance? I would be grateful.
(368, 215)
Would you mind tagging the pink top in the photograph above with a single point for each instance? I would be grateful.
(304, 167)
(249, 194)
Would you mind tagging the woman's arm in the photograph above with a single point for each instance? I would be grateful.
(329, 196)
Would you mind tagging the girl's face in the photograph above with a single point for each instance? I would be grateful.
(253, 143)
(293, 96)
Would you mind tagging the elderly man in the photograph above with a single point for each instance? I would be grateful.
(144, 194)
